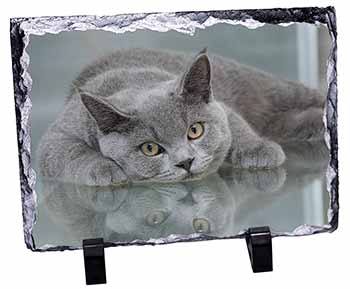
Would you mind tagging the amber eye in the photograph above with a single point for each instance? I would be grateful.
(195, 130)
(151, 149)
(201, 225)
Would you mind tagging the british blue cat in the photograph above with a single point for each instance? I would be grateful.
(148, 115)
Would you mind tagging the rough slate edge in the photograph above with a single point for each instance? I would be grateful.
(21, 28)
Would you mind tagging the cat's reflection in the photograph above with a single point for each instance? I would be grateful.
(151, 211)
(216, 206)
(305, 167)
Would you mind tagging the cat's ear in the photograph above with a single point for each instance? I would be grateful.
(108, 118)
(195, 84)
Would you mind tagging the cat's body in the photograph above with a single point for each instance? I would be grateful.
(163, 116)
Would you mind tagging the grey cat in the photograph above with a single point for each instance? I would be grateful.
(148, 115)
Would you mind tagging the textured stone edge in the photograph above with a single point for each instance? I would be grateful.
(186, 22)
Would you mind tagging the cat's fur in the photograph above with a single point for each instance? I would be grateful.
(139, 95)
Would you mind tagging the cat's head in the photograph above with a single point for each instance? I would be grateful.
(171, 131)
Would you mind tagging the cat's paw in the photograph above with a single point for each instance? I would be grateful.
(267, 181)
(263, 154)
(103, 172)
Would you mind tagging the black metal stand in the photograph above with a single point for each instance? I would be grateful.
(259, 243)
(94, 260)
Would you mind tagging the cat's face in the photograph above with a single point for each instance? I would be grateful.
(176, 130)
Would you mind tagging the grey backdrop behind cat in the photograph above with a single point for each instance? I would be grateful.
(22, 28)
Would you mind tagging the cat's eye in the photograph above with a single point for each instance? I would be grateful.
(201, 225)
(195, 131)
(151, 149)
(156, 217)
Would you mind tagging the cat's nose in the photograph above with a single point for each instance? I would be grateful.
(186, 164)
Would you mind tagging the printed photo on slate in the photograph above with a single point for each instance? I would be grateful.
(166, 127)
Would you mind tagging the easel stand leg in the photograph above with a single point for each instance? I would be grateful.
(94, 260)
(259, 243)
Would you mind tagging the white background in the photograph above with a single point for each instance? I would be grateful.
(319, 261)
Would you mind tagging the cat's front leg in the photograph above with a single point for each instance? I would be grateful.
(248, 149)
(72, 160)
(100, 172)
(259, 153)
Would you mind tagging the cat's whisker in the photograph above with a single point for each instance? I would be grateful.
(204, 164)
(207, 158)
(160, 176)
(163, 173)
(166, 176)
